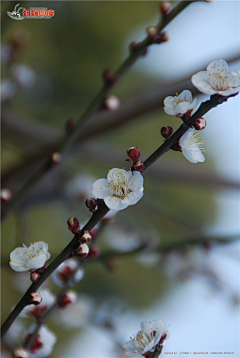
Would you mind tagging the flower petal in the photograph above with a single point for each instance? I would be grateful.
(115, 203)
(100, 188)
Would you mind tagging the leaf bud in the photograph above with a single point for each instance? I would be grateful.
(166, 131)
(35, 299)
(73, 225)
(133, 153)
(86, 237)
(81, 251)
(139, 166)
(199, 123)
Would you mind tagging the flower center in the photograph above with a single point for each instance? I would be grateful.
(119, 189)
(219, 81)
(140, 341)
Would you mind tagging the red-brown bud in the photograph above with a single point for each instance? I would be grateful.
(41, 269)
(92, 205)
(94, 252)
(166, 131)
(176, 146)
(81, 251)
(86, 236)
(199, 123)
(134, 47)
(20, 353)
(139, 166)
(35, 299)
(112, 103)
(109, 77)
(34, 276)
(165, 7)
(73, 225)
(133, 153)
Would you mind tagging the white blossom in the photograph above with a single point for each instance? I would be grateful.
(61, 275)
(43, 343)
(180, 104)
(146, 339)
(120, 189)
(191, 146)
(217, 79)
(29, 258)
(37, 311)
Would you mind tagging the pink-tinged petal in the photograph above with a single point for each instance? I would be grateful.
(115, 203)
(100, 188)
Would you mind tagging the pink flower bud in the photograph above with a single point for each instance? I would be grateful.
(81, 251)
(86, 237)
(139, 166)
(109, 77)
(20, 353)
(199, 123)
(112, 103)
(6, 194)
(165, 7)
(152, 32)
(35, 299)
(166, 131)
(73, 225)
(67, 299)
(56, 157)
(133, 153)
(34, 276)
(92, 205)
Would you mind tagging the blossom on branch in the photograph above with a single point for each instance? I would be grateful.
(48, 300)
(43, 342)
(180, 104)
(191, 146)
(120, 189)
(29, 258)
(65, 271)
(147, 339)
(217, 79)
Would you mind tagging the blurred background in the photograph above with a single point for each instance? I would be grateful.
(189, 215)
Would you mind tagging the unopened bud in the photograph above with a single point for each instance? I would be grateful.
(94, 252)
(166, 131)
(34, 276)
(81, 251)
(134, 47)
(20, 353)
(86, 237)
(139, 166)
(199, 123)
(56, 157)
(6, 194)
(164, 37)
(92, 205)
(133, 153)
(67, 299)
(35, 299)
(176, 146)
(73, 225)
(165, 7)
(112, 103)
(109, 77)
(152, 32)
(41, 269)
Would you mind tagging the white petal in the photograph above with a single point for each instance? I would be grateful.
(160, 325)
(18, 268)
(146, 327)
(170, 111)
(133, 197)
(186, 95)
(183, 107)
(193, 156)
(186, 136)
(135, 181)
(100, 188)
(200, 80)
(115, 203)
(234, 78)
(218, 66)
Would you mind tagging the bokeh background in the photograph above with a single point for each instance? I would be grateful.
(189, 215)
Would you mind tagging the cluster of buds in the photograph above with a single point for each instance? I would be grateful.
(109, 77)
(155, 36)
(67, 299)
(134, 154)
(73, 225)
(93, 204)
(35, 274)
